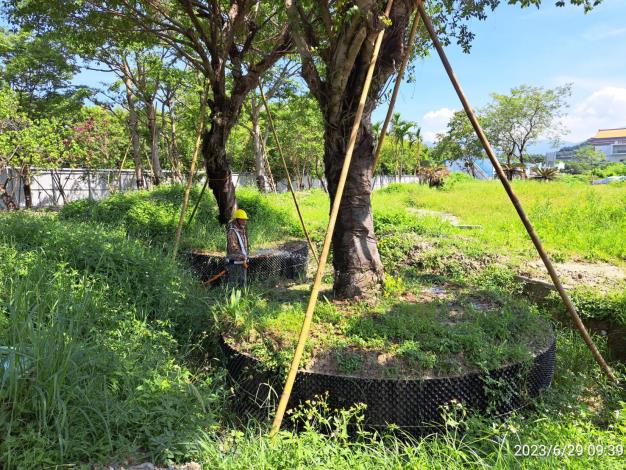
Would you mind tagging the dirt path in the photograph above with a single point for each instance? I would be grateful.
(453, 219)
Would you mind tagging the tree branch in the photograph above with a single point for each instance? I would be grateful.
(309, 70)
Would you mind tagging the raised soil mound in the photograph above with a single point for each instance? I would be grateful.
(414, 350)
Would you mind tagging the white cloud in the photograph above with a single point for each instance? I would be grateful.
(602, 32)
(435, 122)
(605, 108)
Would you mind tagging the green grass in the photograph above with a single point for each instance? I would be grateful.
(152, 216)
(97, 330)
(572, 219)
(117, 361)
(417, 334)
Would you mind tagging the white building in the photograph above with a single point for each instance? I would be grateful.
(611, 142)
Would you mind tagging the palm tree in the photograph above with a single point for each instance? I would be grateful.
(415, 138)
(400, 129)
(544, 174)
(512, 169)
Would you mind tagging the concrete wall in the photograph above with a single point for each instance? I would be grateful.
(53, 188)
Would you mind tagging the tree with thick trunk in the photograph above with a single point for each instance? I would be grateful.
(232, 43)
(335, 41)
(337, 86)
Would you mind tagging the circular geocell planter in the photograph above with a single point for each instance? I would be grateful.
(287, 261)
(413, 405)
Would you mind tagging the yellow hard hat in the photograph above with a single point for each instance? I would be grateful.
(240, 214)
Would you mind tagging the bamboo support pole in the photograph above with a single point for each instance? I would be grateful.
(192, 171)
(308, 317)
(516, 203)
(119, 173)
(195, 207)
(291, 190)
(266, 165)
(396, 89)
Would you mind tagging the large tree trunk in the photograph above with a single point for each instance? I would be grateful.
(154, 143)
(358, 269)
(133, 126)
(217, 166)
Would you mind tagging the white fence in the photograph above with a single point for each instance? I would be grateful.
(53, 188)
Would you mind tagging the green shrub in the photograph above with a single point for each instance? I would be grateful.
(152, 216)
(597, 305)
(454, 178)
(613, 169)
(575, 179)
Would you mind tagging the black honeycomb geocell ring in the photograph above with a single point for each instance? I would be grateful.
(286, 262)
(406, 403)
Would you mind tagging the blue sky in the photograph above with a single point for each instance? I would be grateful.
(542, 47)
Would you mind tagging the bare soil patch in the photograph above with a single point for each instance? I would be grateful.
(598, 276)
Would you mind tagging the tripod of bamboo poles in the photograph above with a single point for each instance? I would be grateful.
(192, 171)
(295, 364)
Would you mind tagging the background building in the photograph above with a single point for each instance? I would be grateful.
(611, 142)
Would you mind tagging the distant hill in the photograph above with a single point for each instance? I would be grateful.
(545, 146)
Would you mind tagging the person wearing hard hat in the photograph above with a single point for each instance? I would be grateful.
(237, 249)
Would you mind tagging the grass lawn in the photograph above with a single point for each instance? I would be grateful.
(572, 219)
(109, 353)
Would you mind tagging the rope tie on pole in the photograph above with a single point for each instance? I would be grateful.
(571, 309)
(282, 158)
(308, 317)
